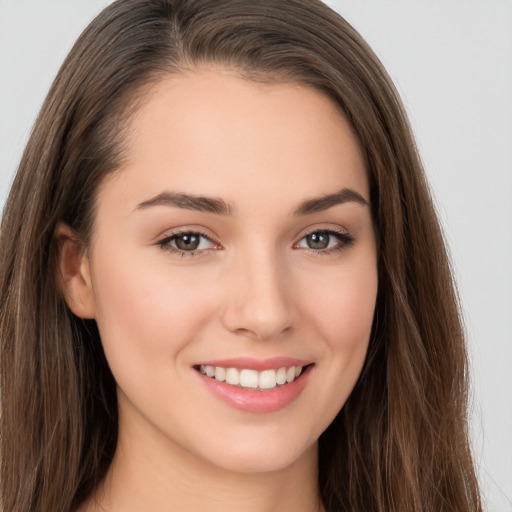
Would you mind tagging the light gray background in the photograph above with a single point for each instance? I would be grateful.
(452, 63)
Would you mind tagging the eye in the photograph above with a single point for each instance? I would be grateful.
(187, 242)
(325, 241)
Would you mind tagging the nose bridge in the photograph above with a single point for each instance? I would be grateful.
(259, 302)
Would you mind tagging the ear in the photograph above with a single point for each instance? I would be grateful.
(74, 273)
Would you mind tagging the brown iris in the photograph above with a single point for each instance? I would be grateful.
(187, 242)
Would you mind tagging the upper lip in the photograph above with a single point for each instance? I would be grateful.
(250, 363)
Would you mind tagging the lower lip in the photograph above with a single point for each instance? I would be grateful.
(251, 400)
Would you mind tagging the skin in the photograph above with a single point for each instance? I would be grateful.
(257, 290)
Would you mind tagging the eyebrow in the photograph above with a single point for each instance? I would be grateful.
(220, 207)
(189, 202)
(319, 204)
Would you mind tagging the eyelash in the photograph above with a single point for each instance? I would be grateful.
(344, 241)
(165, 243)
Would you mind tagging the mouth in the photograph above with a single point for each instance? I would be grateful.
(252, 379)
(255, 385)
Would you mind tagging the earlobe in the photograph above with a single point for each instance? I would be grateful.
(74, 273)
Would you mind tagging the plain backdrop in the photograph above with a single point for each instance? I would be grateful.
(452, 63)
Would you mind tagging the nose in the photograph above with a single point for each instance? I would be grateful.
(259, 297)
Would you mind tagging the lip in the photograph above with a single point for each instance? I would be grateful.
(271, 363)
(256, 401)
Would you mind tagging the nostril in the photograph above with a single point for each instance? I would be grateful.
(258, 323)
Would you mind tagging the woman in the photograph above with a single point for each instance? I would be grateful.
(242, 293)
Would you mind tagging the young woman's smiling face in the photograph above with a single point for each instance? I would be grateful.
(235, 243)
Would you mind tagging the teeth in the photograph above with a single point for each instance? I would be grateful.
(281, 376)
(252, 379)
(268, 379)
(233, 376)
(220, 374)
(249, 379)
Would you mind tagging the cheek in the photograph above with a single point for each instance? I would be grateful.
(342, 304)
(341, 310)
(348, 315)
(147, 312)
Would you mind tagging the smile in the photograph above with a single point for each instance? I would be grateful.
(252, 379)
(255, 385)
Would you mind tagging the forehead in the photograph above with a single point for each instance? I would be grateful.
(215, 133)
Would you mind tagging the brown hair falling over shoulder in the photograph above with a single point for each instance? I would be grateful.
(400, 443)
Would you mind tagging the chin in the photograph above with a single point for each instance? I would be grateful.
(263, 456)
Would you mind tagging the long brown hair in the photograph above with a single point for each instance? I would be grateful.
(400, 443)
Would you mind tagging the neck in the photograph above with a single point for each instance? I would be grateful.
(146, 475)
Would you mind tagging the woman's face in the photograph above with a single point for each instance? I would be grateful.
(235, 243)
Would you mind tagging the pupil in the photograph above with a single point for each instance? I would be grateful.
(187, 242)
(318, 240)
